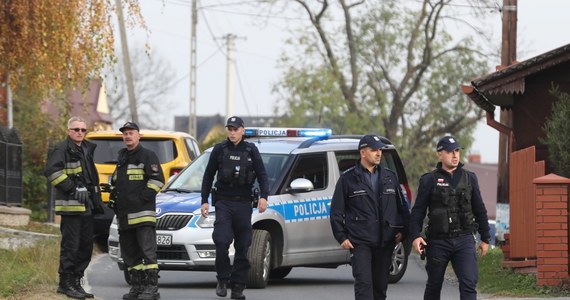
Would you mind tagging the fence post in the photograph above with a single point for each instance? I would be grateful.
(551, 229)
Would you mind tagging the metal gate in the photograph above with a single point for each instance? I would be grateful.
(523, 168)
(11, 183)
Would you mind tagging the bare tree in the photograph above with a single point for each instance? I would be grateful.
(153, 79)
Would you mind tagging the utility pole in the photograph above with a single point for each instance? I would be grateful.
(230, 42)
(127, 64)
(192, 122)
(508, 56)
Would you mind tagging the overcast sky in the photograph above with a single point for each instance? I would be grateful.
(542, 26)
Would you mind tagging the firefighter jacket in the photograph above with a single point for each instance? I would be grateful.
(236, 167)
(136, 180)
(366, 217)
(446, 196)
(69, 166)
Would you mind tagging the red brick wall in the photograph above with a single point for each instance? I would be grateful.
(552, 229)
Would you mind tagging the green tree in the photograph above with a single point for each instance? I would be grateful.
(387, 67)
(557, 129)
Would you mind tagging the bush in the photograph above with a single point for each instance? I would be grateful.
(557, 129)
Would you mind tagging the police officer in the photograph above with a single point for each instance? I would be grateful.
(70, 169)
(237, 163)
(369, 216)
(456, 209)
(136, 180)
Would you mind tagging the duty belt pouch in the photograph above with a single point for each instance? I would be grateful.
(214, 193)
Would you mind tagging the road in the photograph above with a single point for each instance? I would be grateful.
(106, 281)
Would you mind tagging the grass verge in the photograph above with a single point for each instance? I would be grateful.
(494, 279)
(29, 271)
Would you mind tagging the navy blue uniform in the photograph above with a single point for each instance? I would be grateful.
(233, 202)
(459, 248)
(369, 213)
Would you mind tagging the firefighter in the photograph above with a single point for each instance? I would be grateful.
(136, 181)
(71, 170)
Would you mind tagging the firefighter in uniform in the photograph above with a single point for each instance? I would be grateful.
(237, 163)
(369, 216)
(136, 181)
(70, 169)
(456, 211)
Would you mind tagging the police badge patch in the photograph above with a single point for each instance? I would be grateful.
(154, 167)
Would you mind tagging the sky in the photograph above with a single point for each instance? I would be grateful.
(258, 46)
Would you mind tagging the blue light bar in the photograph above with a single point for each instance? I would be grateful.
(288, 132)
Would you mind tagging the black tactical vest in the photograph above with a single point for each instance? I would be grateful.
(450, 212)
(235, 166)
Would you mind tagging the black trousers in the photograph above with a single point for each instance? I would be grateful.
(370, 268)
(76, 244)
(138, 247)
(233, 223)
(461, 252)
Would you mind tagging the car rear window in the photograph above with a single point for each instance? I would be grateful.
(107, 150)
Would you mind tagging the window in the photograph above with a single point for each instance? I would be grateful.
(107, 150)
(312, 167)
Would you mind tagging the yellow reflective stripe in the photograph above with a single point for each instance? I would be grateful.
(152, 186)
(73, 171)
(70, 208)
(151, 266)
(142, 220)
(135, 171)
(73, 168)
(139, 267)
(59, 179)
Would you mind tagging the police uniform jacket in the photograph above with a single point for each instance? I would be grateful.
(231, 190)
(137, 179)
(426, 189)
(363, 216)
(69, 166)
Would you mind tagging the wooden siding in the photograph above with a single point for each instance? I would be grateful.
(523, 168)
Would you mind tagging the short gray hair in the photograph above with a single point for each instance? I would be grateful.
(75, 119)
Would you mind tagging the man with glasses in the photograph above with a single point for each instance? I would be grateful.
(71, 171)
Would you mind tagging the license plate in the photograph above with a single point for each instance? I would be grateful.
(163, 240)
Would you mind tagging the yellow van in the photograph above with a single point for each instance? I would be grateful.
(175, 150)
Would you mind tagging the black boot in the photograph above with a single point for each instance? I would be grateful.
(222, 289)
(150, 287)
(67, 287)
(237, 291)
(78, 287)
(137, 278)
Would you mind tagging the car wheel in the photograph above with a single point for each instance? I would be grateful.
(399, 263)
(127, 276)
(260, 259)
(279, 273)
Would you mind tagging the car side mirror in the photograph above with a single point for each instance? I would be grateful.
(300, 185)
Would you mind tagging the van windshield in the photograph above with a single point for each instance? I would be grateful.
(107, 150)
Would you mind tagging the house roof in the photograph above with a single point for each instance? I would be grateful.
(497, 88)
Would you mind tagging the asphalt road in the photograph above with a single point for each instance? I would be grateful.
(106, 281)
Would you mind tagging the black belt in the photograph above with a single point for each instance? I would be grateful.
(233, 198)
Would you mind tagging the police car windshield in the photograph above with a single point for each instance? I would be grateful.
(191, 177)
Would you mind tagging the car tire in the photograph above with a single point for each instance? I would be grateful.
(399, 263)
(260, 259)
(280, 273)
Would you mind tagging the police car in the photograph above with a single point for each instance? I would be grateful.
(303, 166)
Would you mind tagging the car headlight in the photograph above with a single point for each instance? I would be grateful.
(206, 222)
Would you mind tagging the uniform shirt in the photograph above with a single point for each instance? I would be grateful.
(424, 195)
